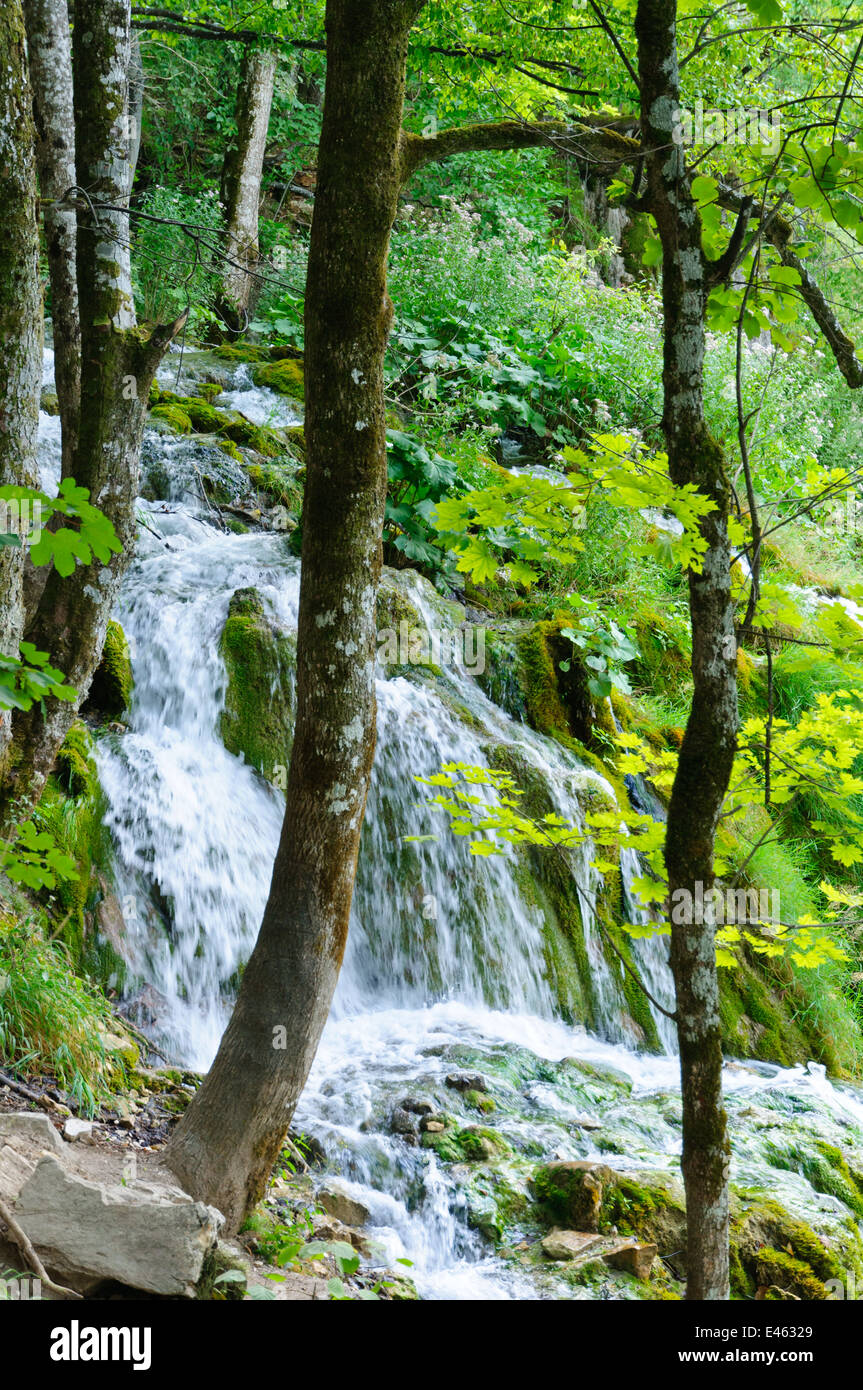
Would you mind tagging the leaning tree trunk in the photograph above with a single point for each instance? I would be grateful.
(225, 1146)
(49, 49)
(20, 316)
(707, 752)
(118, 361)
(241, 183)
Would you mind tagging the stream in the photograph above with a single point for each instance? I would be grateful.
(448, 965)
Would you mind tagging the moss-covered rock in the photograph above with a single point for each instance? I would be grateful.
(257, 721)
(772, 1248)
(287, 377)
(72, 809)
(110, 693)
(586, 1195)
(174, 416)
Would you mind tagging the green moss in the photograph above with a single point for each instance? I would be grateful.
(111, 690)
(769, 1246)
(185, 413)
(257, 720)
(282, 486)
(244, 352)
(286, 377)
(174, 416)
(776, 1267)
(72, 809)
(75, 767)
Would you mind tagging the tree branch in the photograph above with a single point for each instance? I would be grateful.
(600, 139)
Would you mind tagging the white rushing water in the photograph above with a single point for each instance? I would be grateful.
(447, 962)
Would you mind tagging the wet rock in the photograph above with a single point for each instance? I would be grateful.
(466, 1081)
(432, 1124)
(415, 1106)
(569, 1245)
(401, 1122)
(344, 1208)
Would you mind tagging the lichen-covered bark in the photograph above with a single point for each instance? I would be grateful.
(118, 361)
(225, 1145)
(20, 311)
(49, 49)
(241, 182)
(707, 753)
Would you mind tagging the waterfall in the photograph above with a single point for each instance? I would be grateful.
(448, 962)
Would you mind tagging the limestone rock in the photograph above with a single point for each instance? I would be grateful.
(78, 1131)
(344, 1208)
(29, 1130)
(568, 1245)
(632, 1259)
(573, 1191)
(148, 1237)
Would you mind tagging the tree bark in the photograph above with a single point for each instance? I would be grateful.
(707, 752)
(225, 1146)
(241, 184)
(20, 315)
(135, 104)
(118, 361)
(49, 49)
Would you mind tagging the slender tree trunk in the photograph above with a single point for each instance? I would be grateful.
(707, 753)
(241, 184)
(49, 49)
(20, 316)
(118, 361)
(228, 1140)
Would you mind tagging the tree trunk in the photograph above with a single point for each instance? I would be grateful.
(225, 1146)
(118, 361)
(707, 753)
(241, 184)
(20, 316)
(49, 49)
(135, 107)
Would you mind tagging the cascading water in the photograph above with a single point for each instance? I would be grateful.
(448, 961)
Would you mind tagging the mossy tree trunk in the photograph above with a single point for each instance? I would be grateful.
(49, 49)
(241, 187)
(118, 361)
(707, 752)
(20, 315)
(225, 1146)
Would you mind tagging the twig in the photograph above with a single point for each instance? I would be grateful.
(22, 1240)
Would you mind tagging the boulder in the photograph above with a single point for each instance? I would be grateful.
(632, 1259)
(572, 1191)
(148, 1237)
(338, 1204)
(29, 1132)
(569, 1245)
